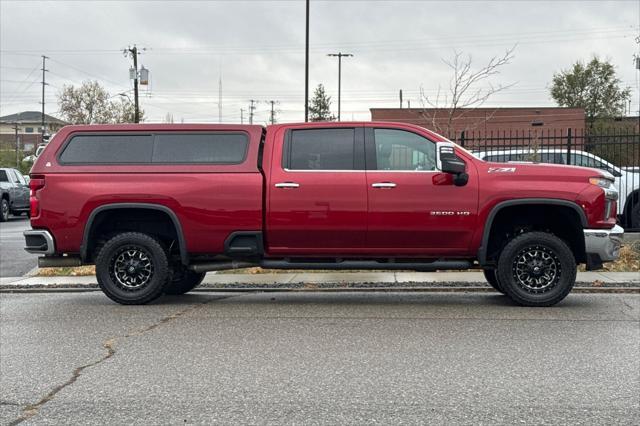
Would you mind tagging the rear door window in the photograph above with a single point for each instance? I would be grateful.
(320, 149)
(3, 176)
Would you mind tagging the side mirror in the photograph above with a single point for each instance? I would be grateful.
(451, 163)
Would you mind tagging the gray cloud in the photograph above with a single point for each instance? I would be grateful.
(258, 46)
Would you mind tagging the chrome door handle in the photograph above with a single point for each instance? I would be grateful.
(383, 185)
(287, 185)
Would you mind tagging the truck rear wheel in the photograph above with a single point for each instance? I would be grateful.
(132, 268)
(491, 275)
(183, 281)
(536, 269)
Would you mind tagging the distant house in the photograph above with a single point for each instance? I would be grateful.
(483, 122)
(29, 125)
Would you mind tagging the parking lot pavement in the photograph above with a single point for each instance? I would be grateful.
(312, 358)
(14, 261)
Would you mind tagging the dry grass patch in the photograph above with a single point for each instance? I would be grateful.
(76, 271)
(629, 259)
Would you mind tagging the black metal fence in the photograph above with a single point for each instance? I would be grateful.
(616, 151)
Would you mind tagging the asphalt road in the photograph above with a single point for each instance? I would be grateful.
(14, 261)
(319, 358)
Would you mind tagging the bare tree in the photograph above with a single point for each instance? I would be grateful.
(90, 103)
(465, 92)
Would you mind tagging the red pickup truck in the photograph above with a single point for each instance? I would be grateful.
(155, 206)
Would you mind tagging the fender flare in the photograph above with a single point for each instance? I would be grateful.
(482, 251)
(184, 256)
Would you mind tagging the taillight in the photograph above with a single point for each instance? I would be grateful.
(35, 184)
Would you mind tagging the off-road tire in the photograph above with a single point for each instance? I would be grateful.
(491, 275)
(115, 281)
(4, 210)
(522, 287)
(183, 280)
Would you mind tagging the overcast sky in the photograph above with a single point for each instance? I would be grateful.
(257, 47)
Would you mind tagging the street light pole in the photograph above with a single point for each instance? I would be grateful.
(339, 55)
(306, 68)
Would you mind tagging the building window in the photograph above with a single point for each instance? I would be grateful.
(28, 129)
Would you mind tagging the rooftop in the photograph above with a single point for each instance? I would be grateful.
(29, 117)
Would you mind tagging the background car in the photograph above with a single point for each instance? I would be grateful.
(14, 193)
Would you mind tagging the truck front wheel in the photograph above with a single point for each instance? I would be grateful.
(183, 281)
(132, 268)
(536, 269)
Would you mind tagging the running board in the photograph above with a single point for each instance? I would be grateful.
(441, 265)
(369, 264)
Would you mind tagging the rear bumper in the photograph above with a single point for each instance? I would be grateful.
(603, 245)
(39, 241)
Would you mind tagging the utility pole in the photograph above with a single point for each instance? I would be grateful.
(251, 109)
(133, 52)
(339, 55)
(400, 98)
(44, 70)
(272, 117)
(637, 64)
(306, 68)
(15, 127)
(241, 115)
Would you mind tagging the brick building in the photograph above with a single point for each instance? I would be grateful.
(483, 122)
(29, 125)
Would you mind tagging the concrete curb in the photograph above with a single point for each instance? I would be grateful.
(474, 278)
(461, 289)
(473, 281)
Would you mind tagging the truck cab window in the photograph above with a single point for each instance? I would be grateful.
(402, 150)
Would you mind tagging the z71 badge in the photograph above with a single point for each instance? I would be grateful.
(502, 169)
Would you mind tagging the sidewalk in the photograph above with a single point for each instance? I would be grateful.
(333, 279)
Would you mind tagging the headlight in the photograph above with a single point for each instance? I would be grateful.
(601, 182)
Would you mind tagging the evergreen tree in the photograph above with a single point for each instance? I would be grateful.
(320, 106)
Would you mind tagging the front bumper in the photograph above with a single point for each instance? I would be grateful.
(602, 245)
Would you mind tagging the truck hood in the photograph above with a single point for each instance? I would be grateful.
(559, 171)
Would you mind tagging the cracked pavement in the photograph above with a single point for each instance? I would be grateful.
(318, 358)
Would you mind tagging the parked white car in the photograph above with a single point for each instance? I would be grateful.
(627, 181)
